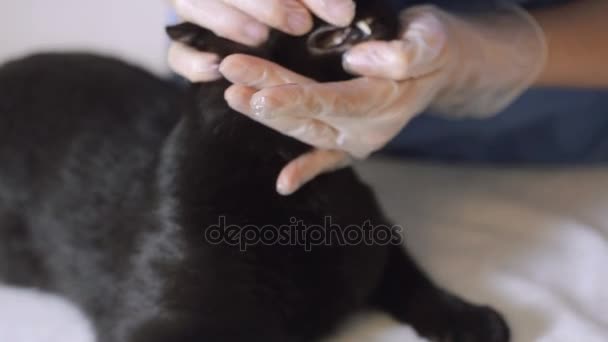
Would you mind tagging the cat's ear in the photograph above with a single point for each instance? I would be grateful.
(186, 33)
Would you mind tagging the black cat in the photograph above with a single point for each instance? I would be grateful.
(113, 185)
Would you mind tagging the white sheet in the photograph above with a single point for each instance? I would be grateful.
(27, 315)
(533, 243)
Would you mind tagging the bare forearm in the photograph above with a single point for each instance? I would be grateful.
(577, 34)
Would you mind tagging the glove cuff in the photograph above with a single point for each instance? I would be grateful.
(496, 57)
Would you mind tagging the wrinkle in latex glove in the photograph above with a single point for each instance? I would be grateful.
(338, 115)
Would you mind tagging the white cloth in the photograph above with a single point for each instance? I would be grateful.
(27, 315)
(533, 243)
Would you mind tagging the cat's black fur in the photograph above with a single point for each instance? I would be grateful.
(110, 179)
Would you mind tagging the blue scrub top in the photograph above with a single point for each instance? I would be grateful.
(546, 125)
(475, 4)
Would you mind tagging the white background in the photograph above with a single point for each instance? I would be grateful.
(132, 29)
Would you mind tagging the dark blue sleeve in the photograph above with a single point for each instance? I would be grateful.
(544, 126)
(474, 4)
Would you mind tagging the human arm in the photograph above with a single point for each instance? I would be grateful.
(458, 65)
(577, 36)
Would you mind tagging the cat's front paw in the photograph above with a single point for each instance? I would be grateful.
(205, 40)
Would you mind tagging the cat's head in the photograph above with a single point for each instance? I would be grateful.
(316, 54)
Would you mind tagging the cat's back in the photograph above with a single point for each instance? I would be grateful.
(80, 138)
(59, 106)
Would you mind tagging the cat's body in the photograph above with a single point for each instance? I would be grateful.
(79, 147)
(110, 180)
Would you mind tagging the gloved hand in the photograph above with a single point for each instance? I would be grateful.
(247, 22)
(455, 65)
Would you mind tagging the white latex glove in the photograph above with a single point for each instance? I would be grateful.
(247, 22)
(459, 66)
